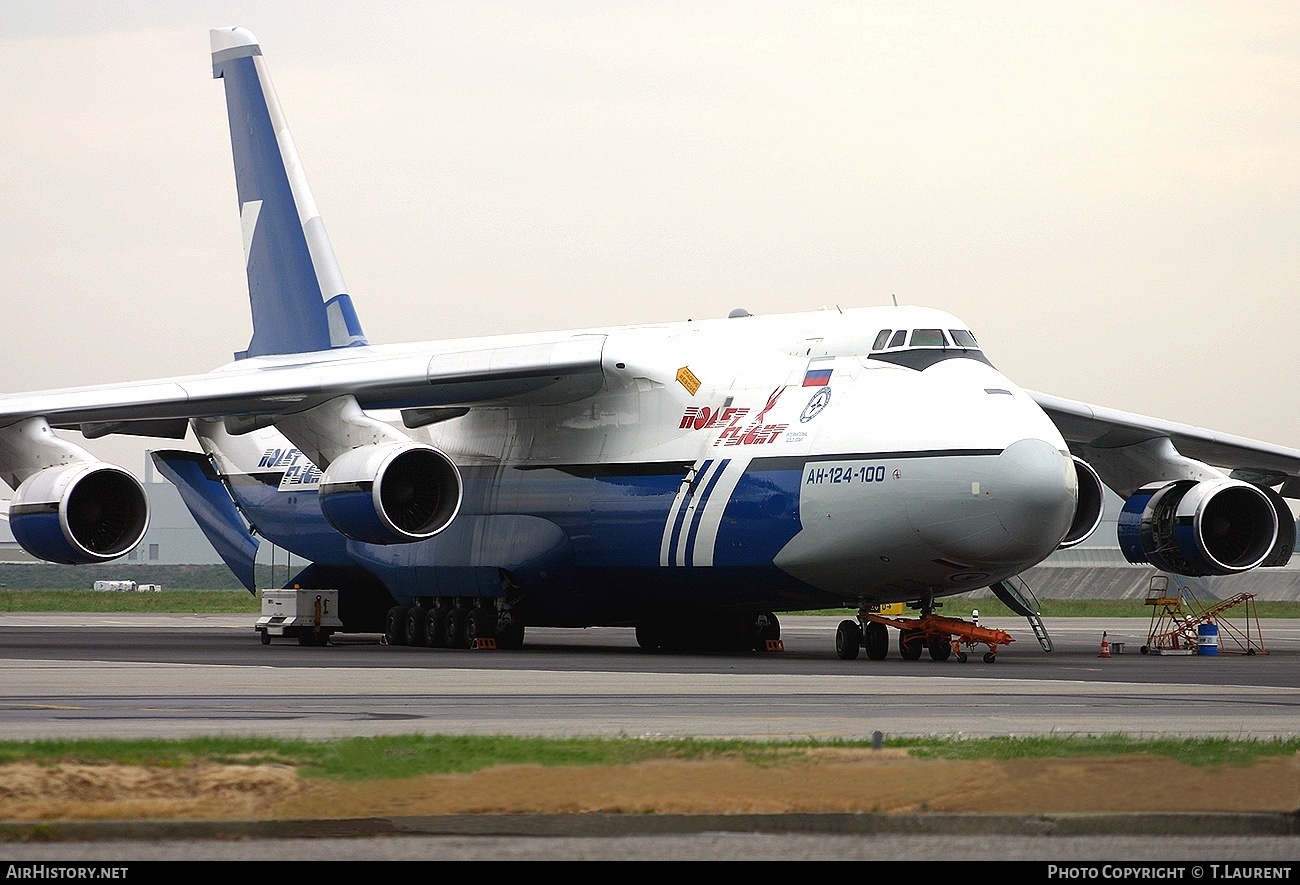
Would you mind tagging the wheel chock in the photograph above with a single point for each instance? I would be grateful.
(484, 643)
(773, 645)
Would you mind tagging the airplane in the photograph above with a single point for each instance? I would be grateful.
(692, 480)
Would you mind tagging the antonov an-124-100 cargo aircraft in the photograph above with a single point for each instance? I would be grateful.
(692, 480)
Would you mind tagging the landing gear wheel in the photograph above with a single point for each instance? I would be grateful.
(961, 657)
(910, 644)
(454, 629)
(940, 648)
(510, 636)
(415, 624)
(877, 641)
(395, 626)
(848, 639)
(480, 623)
(989, 657)
(649, 637)
(435, 627)
(770, 629)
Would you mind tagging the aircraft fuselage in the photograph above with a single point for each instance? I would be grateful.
(752, 463)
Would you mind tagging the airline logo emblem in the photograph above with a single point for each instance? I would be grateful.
(735, 430)
(299, 472)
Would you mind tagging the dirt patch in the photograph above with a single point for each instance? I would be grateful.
(823, 781)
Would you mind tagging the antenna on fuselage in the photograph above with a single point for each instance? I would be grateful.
(895, 297)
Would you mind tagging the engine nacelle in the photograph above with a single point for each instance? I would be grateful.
(1212, 527)
(391, 494)
(1091, 506)
(80, 513)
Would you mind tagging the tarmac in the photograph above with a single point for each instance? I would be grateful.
(601, 825)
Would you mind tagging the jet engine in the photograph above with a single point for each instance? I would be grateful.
(1211, 527)
(1089, 510)
(79, 513)
(394, 493)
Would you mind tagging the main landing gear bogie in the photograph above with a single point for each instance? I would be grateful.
(709, 632)
(452, 623)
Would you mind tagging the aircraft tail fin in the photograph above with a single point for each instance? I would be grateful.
(299, 301)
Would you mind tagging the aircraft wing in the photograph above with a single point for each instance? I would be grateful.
(1091, 428)
(543, 369)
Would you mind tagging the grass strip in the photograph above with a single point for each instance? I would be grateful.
(398, 756)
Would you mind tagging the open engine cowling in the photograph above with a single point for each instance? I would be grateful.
(391, 494)
(78, 514)
(1212, 527)
(1091, 506)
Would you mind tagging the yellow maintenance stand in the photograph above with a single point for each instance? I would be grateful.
(1177, 618)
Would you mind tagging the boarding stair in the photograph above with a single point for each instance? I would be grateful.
(1016, 594)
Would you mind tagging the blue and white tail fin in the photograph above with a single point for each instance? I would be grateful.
(300, 303)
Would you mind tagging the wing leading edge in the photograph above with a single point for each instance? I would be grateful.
(1095, 432)
(538, 369)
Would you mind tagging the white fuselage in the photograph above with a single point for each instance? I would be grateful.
(866, 473)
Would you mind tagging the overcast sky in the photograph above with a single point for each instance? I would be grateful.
(1105, 191)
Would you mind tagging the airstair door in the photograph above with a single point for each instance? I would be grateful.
(1017, 595)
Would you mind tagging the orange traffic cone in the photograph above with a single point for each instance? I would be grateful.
(1105, 646)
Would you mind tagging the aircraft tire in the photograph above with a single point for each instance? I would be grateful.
(910, 644)
(480, 623)
(940, 648)
(510, 636)
(416, 619)
(737, 633)
(769, 630)
(395, 625)
(877, 641)
(848, 640)
(649, 637)
(454, 628)
(435, 627)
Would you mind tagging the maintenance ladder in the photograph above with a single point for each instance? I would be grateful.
(1177, 616)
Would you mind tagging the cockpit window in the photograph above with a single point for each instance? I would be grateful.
(899, 337)
(928, 338)
(962, 338)
(881, 339)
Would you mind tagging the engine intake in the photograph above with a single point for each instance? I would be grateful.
(1212, 527)
(391, 494)
(1091, 506)
(81, 513)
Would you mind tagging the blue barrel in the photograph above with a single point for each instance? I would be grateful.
(1207, 639)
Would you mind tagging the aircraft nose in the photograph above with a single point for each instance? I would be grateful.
(1016, 512)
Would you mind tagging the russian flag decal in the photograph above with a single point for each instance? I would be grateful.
(817, 378)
